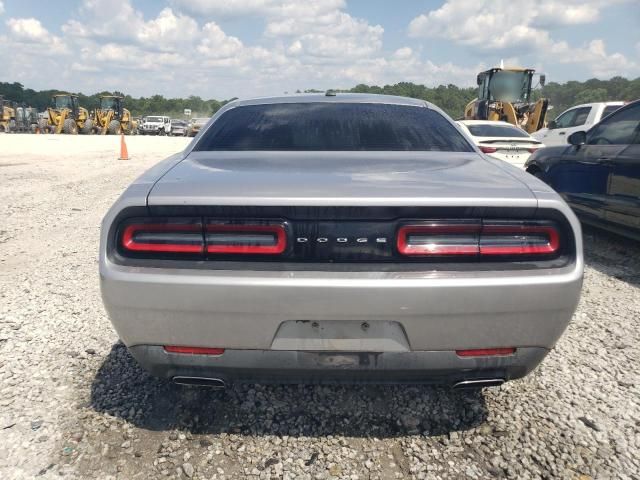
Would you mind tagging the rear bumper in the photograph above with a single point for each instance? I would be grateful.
(440, 367)
(243, 312)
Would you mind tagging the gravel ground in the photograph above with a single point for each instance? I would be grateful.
(74, 403)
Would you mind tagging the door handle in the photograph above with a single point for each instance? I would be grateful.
(605, 160)
(562, 133)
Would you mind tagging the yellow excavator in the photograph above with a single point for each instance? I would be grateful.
(66, 116)
(7, 116)
(505, 94)
(113, 118)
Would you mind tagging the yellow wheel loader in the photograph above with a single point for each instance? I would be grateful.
(113, 118)
(66, 116)
(505, 94)
(7, 116)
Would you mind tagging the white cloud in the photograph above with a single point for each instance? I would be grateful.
(503, 24)
(281, 8)
(602, 64)
(28, 29)
(168, 30)
(119, 21)
(184, 49)
(1, 7)
(500, 27)
(26, 33)
(217, 44)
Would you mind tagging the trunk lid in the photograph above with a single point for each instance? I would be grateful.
(339, 179)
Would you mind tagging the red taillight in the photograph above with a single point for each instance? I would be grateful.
(518, 239)
(193, 350)
(531, 150)
(439, 238)
(486, 352)
(163, 237)
(250, 239)
(484, 149)
(475, 237)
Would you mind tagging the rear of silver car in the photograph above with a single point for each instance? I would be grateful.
(331, 266)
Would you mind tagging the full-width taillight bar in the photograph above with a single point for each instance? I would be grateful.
(163, 237)
(245, 238)
(478, 238)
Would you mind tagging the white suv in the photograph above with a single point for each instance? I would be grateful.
(155, 125)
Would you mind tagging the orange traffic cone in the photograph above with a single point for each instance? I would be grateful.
(124, 154)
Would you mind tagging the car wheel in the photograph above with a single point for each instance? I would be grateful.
(70, 127)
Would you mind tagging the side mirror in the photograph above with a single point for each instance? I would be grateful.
(552, 124)
(479, 80)
(578, 138)
(543, 80)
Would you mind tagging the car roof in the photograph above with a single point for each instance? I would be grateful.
(595, 104)
(486, 122)
(334, 98)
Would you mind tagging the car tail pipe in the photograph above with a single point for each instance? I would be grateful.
(478, 383)
(213, 383)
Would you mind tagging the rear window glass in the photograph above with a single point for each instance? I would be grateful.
(504, 131)
(332, 126)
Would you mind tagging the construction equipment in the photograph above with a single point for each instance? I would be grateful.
(113, 118)
(505, 94)
(26, 119)
(7, 116)
(66, 116)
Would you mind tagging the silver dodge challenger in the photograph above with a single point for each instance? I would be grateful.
(338, 238)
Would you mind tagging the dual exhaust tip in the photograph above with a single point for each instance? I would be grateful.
(219, 384)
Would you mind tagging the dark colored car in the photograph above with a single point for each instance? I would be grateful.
(598, 174)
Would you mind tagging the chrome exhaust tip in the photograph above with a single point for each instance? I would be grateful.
(215, 383)
(479, 383)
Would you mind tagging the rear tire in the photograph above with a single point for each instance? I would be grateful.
(70, 127)
(114, 127)
(88, 128)
(43, 125)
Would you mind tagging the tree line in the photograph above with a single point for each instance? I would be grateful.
(450, 98)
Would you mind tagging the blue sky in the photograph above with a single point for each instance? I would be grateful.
(224, 48)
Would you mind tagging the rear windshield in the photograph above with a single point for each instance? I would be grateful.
(503, 131)
(333, 126)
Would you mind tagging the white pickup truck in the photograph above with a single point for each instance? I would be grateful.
(580, 117)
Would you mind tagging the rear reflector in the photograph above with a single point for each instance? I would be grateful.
(474, 237)
(163, 237)
(249, 239)
(193, 350)
(486, 352)
(531, 150)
